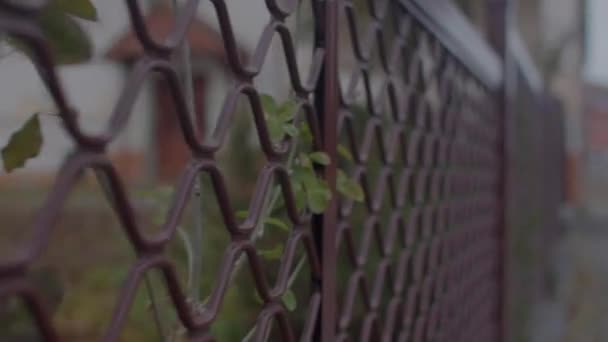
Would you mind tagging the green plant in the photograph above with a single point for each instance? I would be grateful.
(312, 195)
(69, 44)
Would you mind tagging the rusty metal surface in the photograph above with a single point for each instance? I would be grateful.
(418, 261)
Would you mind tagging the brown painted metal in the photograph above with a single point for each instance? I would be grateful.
(327, 98)
(498, 14)
(423, 259)
(418, 110)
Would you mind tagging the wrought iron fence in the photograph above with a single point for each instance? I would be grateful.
(415, 117)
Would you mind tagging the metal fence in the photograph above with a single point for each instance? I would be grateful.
(420, 111)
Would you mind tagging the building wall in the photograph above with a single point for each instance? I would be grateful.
(94, 88)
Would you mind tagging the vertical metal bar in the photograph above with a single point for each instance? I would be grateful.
(499, 21)
(326, 102)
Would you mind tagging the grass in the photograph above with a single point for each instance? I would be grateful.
(86, 264)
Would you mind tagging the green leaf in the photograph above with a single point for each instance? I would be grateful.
(275, 128)
(300, 198)
(289, 300)
(304, 176)
(297, 178)
(272, 254)
(278, 207)
(269, 105)
(68, 42)
(299, 194)
(320, 158)
(82, 9)
(275, 222)
(349, 187)
(242, 214)
(305, 162)
(287, 110)
(290, 129)
(318, 199)
(324, 186)
(305, 134)
(317, 191)
(345, 153)
(187, 244)
(23, 144)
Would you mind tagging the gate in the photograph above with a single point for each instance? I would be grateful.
(420, 117)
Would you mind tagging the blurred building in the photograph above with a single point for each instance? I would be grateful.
(168, 152)
(94, 88)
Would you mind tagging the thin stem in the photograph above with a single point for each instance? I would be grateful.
(249, 334)
(155, 309)
(107, 192)
(193, 246)
(292, 279)
(269, 205)
(196, 244)
(296, 271)
(268, 211)
(189, 253)
(276, 194)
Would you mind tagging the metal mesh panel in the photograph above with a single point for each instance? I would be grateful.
(20, 21)
(422, 252)
(418, 260)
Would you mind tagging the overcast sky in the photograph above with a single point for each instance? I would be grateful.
(597, 50)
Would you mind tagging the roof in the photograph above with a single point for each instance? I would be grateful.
(204, 40)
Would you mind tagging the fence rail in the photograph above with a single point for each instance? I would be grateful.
(404, 97)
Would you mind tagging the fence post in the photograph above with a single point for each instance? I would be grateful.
(326, 104)
(499, 19)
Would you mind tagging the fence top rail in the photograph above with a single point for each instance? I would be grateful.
(452, 28)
